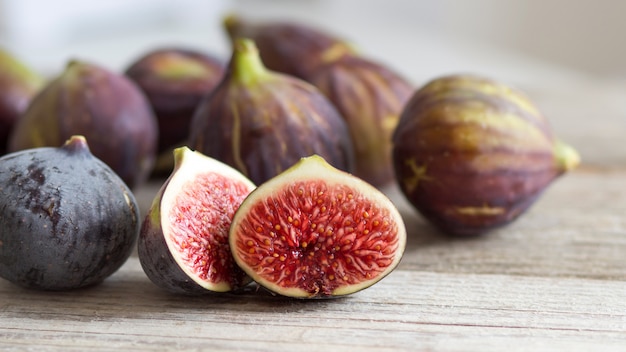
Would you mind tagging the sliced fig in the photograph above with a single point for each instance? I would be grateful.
(317, 232)
(66, 219)
(183, 243)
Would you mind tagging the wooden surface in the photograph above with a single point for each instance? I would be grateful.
(553, 280)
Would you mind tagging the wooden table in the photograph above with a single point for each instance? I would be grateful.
(553, 280)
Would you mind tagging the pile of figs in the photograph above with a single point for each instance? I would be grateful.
(273, 164)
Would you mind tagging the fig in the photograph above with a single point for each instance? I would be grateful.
(370, 97)
(262, 122)
(183, 242)
(105, 107)
(66, 219)
(291, 48)
(317, 232)
(18, 84)
(174, 80)
(472, 154)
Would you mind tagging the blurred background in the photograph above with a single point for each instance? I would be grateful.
(425, 38)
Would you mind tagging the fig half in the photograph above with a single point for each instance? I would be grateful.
(183, 242)
(66, 219)
(317, 232)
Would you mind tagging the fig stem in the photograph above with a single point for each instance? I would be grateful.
(76, 144)
(566, 156)
(246, 65)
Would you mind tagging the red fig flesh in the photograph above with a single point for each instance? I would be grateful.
(315, 231)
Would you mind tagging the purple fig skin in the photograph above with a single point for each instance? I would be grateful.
(261, 122)
(18, 85)
(370, 97)
(175, 80)
(105, 107)
(66, 219)
(295, 49)
(472, 154)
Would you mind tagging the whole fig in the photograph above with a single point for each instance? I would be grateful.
(370, 97)
(174, 80)
(261, 122)
(472, 154)
(66, 219)
(288, 47)
(105, 107)
(18, 84)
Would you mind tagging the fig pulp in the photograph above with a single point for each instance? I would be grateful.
(261, 122)
(183, 242)
(66, 219)
(370, 97)
(472, 154)
(315, 231)
(18, 84)
(291, 48)
(174, 80)
(105, 107)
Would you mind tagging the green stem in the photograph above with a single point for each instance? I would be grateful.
(246, 65)
(567, 158)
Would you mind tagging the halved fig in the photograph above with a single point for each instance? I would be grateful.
(183, 242)
(314, 231)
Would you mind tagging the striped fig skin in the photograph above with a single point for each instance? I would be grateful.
(370, 97)
(472, 154)
(261, 122)
(295, 49)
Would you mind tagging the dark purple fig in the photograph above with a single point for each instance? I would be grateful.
(288, 47)
(317, 232)
(174, 81)
(105, 107)
(262, 122)
(472, 154)
(18, 84)
(370, 97)
(66, 219)
(183, 243)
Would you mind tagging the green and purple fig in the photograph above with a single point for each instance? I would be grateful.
(262, 122)
(18, 85)
(472, 154)
(370, 97)
(66, 219)
(287, 47)
(105, 107)
(175, 80)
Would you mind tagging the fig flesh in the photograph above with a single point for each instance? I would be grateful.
(105, 107)
(66, 219)
(183, 242)
(18, 85)
(317, 232)
(175, 80)
(370, 97)
(472, 154)
(261, 122)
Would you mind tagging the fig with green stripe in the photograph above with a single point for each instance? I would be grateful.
(473, 154)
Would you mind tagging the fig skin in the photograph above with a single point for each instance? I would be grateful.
(66, 219)
(370, 97)
(175, 80)
(291, 48)
(472, 154)
(105, 107)
(262, 122)
(18, 85)
(158, 253)
(317, 232)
